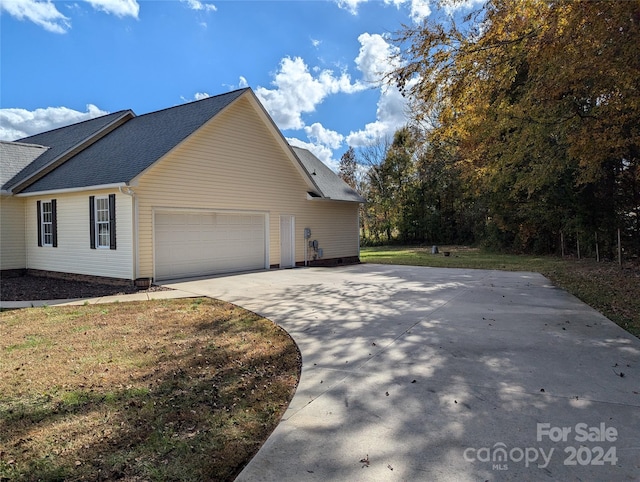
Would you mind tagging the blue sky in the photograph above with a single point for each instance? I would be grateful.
(315, 65)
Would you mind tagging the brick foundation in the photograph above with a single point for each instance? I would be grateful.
(329, 262)
(325, 262)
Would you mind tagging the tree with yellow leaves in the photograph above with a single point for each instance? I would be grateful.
(541, 101)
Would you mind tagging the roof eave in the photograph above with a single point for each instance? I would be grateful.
(323, 199)
(115, 185)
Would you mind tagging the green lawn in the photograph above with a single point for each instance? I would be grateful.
(613, 291)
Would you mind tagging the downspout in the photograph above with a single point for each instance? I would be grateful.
(134, 229)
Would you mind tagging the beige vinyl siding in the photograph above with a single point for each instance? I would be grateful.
(74, 254)
(335, 226)
(235, 163)
(12, 250)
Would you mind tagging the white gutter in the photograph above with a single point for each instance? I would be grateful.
(116, 185)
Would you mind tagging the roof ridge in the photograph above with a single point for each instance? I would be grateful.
(193, 102)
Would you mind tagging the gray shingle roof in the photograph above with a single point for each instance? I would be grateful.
(15, 157)
(328, 182)
(61, 141)
(134, 146)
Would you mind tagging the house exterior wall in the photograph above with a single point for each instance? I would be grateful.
(12, 229)
(235, 163)
(334, 225)
(73, 253)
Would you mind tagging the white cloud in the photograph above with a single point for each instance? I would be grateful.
(419, 9)
(376, 57)
(201, 95)
(242, 84)
(197, 5)
(45, 14)
(119, 8)
(321, 135)
(391, 115)
(350, 5)
(452, 6)
(298, 92)
(19, 123)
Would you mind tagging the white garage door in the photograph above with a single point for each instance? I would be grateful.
(202, 243)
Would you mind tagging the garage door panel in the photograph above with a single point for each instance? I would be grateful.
(197, 244)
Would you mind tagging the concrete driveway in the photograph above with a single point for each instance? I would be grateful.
(413, 373)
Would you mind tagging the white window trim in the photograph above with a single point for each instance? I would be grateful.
(44, 223)
(98, 223)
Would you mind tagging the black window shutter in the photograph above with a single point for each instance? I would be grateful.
(92, 221)
(112, 221)
(54, 224)
(39, 208)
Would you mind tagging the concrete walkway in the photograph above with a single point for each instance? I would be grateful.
(416, 373)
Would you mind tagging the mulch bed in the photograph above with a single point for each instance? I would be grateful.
(28, 288)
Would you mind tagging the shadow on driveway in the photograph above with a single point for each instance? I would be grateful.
(413, 373)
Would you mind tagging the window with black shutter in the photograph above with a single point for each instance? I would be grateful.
(47, 223)
(102, 220)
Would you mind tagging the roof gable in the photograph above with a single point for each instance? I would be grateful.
(15, 157)
(63, 143)
(134, 146)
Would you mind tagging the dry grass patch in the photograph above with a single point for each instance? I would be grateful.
(158, 390)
